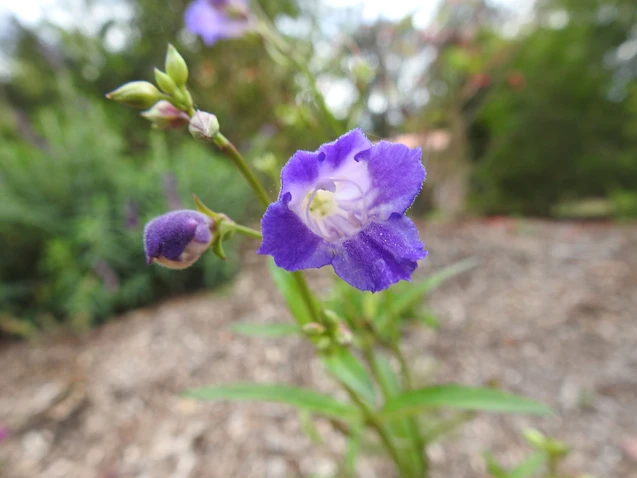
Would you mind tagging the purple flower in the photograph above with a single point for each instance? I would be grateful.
(4, 433)
(345, 205)
(177, 239)
(215, 20)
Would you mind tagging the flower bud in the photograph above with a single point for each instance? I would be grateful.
(176, 66)
(203, 126)
(165, 82)
(313, 329)
(343, 335)
(136, 94)
(178, 238)
(164, 115)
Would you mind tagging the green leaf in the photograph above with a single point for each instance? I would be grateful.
(288, 287)
(353, 447)
(416, 290)
(307, 425)
(404, 431)
(264, 330)
(460, 397)
(348, 369)
(528, 467)
(493, 467)
(297, 397)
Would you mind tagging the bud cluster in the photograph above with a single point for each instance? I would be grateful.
(168, 105)
(332, 331)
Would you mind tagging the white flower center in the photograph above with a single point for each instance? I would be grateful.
(337, 208)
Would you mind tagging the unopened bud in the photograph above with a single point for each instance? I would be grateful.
(165, 82)
(343, 335)
(203, 126)
(332, 318)
(535, 438)
(313, 329)
(136, 94)
(177, 239)
(164, 115)
(176, 66)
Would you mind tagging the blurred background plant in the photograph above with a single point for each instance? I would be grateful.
(72, 207)
(518, 113)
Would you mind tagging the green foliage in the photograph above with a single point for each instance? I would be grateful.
(624, 204)
(386, 311)
(303, 399)
(459, 397)
(264, 330)
(543, 461)
(565, 131)
(72, 208)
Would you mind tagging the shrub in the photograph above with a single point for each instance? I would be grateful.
(72, 209)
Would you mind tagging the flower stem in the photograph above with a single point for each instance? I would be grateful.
(247, 231)
(227, 148)
(307, 296)
(373, 421)
(421, 464)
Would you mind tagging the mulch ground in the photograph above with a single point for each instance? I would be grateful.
(549, 312)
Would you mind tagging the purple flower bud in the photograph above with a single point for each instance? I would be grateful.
(4, 433)
(177, 239)
(164, 115)
(218, 19)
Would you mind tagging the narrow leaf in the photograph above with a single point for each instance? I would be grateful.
(264, 330)
(404, 431)
(348, 369)
(297, 397)
(494, 469)
(353, 447)
(460, 397)
(528, 467)
(416, 290)
(287, 285)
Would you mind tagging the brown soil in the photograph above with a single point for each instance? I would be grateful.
(549, 313)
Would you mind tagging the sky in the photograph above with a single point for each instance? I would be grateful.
(32, 11)
(74, 13)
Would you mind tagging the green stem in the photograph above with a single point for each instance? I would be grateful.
(404, 368)
(308, 297)
(370, 358)
(413, 422)
(227, 148)
(373, 421)
(247, 231)
(235, 156)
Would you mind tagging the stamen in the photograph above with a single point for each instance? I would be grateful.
(334, 218)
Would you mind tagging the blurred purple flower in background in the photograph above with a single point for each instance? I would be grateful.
(344, 205)
(216, 20)
(178, 238)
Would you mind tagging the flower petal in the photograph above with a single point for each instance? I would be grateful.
(292, 245)
(380, 255)
(397, 174)
(345, 148)
(300, 172)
